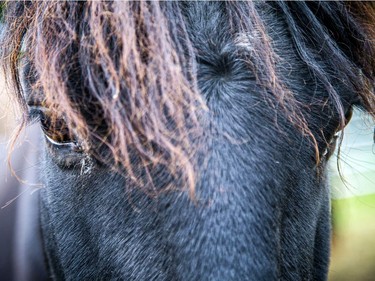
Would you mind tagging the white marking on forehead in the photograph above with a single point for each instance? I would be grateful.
(246, 40)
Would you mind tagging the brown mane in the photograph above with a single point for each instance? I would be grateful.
(125, 76)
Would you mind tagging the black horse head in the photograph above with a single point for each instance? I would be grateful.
(188, 140)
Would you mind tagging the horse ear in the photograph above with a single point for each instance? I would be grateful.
(348, 115)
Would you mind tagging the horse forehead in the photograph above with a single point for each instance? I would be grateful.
(211, 32)
(225, 53)
(213, 35)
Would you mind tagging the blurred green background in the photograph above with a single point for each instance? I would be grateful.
(353, 203)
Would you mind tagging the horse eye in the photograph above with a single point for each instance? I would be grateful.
(54, 128)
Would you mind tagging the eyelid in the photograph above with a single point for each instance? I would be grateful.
(73, 145)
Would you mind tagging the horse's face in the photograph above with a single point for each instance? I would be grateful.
(260, 205)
